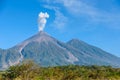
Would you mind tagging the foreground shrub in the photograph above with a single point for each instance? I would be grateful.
(25, 71)
(28, 70)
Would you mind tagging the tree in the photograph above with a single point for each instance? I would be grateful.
(25, 71)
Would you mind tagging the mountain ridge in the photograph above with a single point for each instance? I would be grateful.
(48, 51)
(87, 48)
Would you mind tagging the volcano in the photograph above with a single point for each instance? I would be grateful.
(48, 51)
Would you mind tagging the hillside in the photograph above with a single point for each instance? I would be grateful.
(46, 51)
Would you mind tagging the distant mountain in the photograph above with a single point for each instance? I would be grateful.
(98, 55)
(48, 51)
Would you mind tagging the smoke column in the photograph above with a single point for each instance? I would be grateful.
(42, 20)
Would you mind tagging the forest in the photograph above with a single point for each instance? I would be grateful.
(28, 70)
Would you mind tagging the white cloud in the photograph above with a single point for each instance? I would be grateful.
(76, 7)
(93, 15)
(60, 20)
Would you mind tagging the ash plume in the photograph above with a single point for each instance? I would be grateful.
(42, 20)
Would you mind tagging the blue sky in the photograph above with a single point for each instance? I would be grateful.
(96, 22)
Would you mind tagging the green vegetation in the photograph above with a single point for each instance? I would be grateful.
(30, 71)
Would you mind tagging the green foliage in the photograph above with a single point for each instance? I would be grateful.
(30, 71)
(24, 71)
